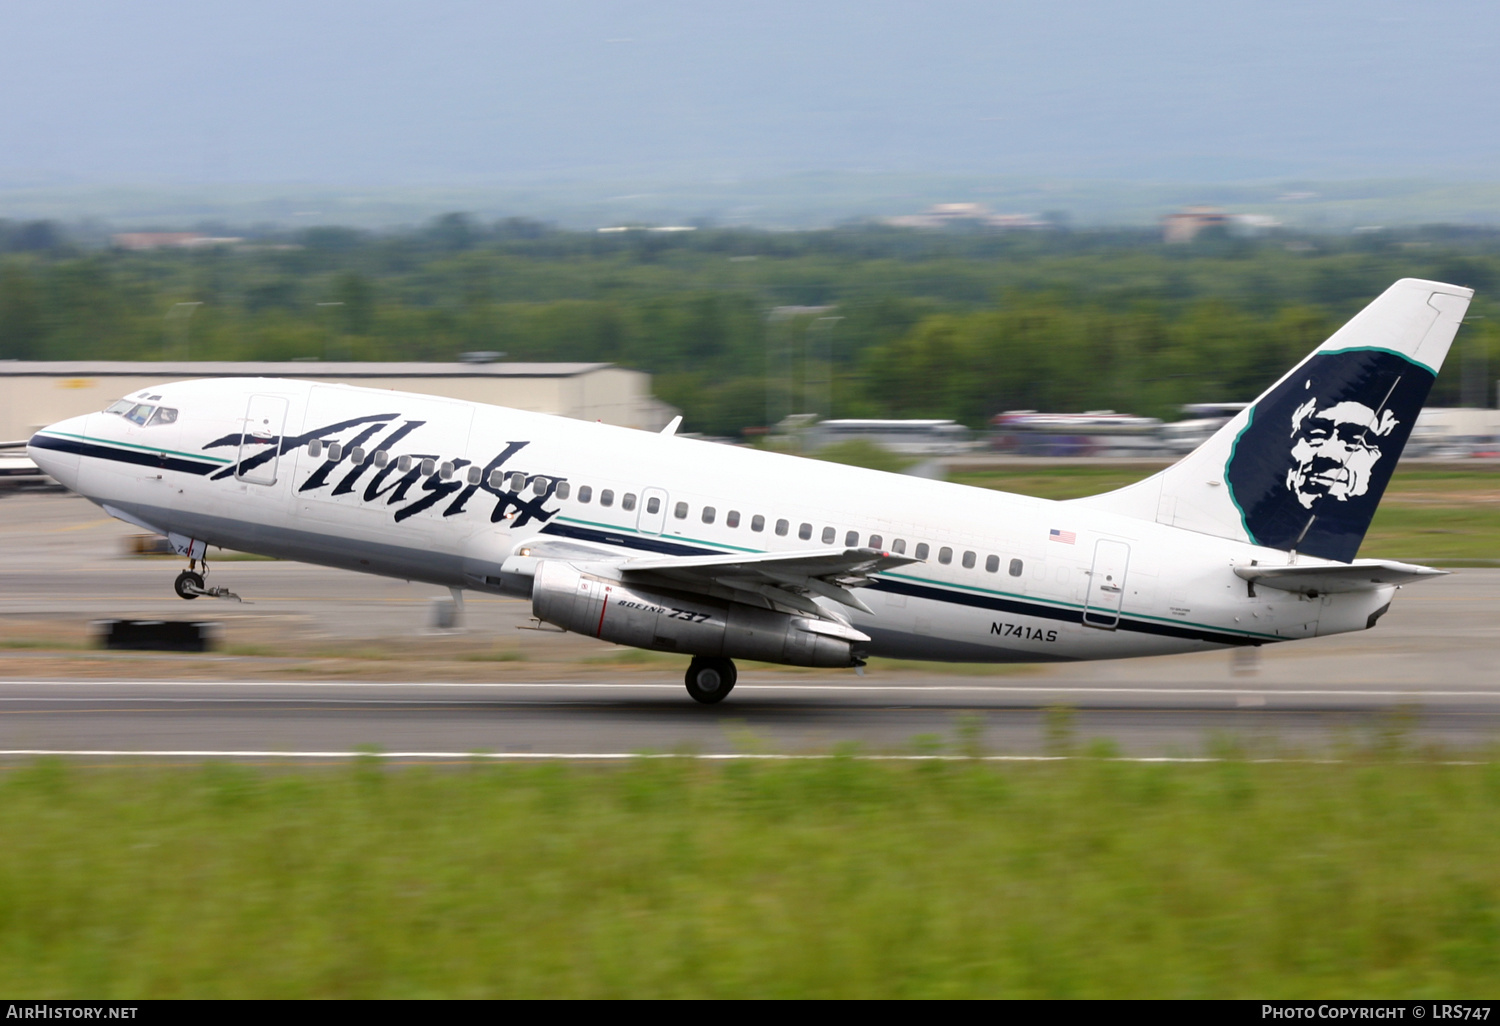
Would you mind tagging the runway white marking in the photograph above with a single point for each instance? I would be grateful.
(627, 756)
(990, 689)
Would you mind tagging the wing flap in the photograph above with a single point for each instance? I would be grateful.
(790, 579)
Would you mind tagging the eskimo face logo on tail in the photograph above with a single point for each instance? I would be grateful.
(1335, 449)
(1309, 469)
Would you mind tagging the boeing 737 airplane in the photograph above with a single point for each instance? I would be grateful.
(722, 553)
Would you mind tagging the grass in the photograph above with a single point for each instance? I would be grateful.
(677, 878)
(860, 452)
(497, 655)
(1448, 516)
(42, 644)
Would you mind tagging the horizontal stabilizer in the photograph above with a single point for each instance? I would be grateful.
(1363, 575)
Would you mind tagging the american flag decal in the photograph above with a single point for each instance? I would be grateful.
(1066, 537)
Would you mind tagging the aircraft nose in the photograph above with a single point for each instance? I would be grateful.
(56, 449)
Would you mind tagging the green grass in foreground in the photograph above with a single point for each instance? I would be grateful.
(834, 878)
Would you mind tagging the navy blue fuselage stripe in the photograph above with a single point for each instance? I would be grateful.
(106, 452)
(992, 602)
(1041, 612)
(590, 534)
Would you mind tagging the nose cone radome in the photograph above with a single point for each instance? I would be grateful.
(56, 448)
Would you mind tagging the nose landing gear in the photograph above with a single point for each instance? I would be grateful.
(710, 678)
(189, 584)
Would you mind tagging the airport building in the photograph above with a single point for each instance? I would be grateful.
(36, 393)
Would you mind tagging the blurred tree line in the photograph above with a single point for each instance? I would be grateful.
(741, 326)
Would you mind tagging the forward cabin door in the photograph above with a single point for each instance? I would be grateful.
(265, 420)
(1106, 585)
(653, 511)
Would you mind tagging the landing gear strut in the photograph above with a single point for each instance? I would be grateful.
(710, 678)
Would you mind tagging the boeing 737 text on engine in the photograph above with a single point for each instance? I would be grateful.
(722, 553)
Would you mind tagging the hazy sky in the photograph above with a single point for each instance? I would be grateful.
(445, 91)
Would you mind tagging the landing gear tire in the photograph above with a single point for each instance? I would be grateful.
(709, 679)
(188, 584)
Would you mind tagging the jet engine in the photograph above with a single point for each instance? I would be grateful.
(671, 621)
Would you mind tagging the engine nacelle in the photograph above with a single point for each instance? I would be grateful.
(672, 621)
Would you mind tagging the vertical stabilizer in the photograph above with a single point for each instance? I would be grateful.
(1304, 466)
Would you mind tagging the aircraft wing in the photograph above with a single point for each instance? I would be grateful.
(785, 578)
(788, 579)
(1361, 575)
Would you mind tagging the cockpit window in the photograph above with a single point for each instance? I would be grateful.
(142, 413)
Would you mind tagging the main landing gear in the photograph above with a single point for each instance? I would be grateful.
(710, 678)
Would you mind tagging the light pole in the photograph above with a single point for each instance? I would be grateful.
(183, 312)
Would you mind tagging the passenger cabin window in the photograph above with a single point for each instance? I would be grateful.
(757, 523)
(968, 560)
(732, 518)
(563, 488)
(627, 501)
(992, 564)
(829, 534)
(899, 546)
(607, 497)
(1016, 568)
(474, 475)
(680, 511)
(653, 505)
(315, 448)
(851, 539)
(403, 464)
(517, 482)
(497, 479)
(945, 555)
(335, 452)
(804, 532)
(428, 465)
(585, 493)
(446, 470)
(382, 458)
(922, 550)
(357, 456)
(708, 514)
(781, 527)
(877, 542)
(539, 487)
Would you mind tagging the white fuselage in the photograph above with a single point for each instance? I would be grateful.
(1004, 577)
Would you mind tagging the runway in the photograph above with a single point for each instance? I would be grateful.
(309, 719)
(320, 663)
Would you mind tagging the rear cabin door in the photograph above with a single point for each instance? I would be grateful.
(1106, 585)
(653, 511)
(260, 439)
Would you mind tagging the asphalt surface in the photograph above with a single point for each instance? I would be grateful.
(1428, 674)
